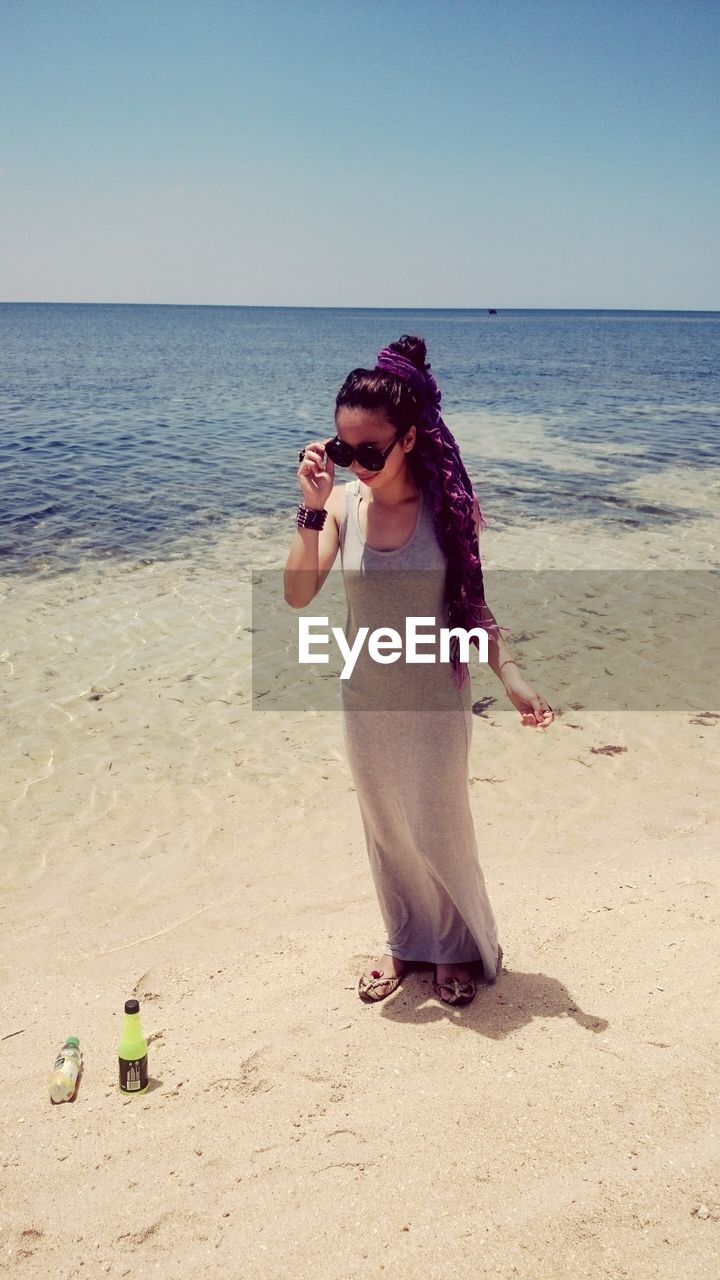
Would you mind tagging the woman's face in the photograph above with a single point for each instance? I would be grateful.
(372, 426)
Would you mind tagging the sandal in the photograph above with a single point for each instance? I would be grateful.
(462, 992)
(370, 988)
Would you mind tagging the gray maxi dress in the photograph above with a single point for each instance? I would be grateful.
(407, 730)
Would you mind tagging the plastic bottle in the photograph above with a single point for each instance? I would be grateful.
(63, 1080)
(132, 1052)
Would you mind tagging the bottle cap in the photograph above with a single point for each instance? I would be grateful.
(73, 1040)
(132, 1006)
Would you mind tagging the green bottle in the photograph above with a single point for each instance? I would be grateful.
(132, 1052)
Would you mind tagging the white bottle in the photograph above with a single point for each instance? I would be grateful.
(65, 1072)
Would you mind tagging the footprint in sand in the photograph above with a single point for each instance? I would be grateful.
(28, 1242)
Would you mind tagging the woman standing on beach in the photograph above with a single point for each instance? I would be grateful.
(407, 726)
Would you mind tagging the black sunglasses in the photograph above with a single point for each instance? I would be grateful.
(369, 458)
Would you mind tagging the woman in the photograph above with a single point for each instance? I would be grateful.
(407, 727)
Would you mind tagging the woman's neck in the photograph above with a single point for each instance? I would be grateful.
(403, 488)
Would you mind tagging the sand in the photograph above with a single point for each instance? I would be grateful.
(162, 838)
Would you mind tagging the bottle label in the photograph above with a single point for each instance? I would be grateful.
(133, 1074)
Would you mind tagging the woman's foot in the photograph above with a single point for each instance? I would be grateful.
(382, 978)
(454, 984)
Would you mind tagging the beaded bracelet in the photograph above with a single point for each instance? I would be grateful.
(310, 517)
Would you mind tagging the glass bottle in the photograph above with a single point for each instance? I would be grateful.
(132, 1052)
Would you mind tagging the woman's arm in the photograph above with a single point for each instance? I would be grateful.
(533, 708)
(312, 552)
(310, 558)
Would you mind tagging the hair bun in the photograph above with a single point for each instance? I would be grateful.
(413, 349)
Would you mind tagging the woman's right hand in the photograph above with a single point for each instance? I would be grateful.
(315, 480)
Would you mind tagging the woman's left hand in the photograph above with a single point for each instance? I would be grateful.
(534, 710)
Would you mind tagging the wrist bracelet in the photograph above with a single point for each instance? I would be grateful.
(310, 517)
(506, 663)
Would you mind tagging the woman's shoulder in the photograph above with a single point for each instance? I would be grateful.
(339, 492)
(337, 502)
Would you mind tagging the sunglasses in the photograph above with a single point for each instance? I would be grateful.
(368, 457)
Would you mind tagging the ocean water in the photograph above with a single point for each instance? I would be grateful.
(144, 433)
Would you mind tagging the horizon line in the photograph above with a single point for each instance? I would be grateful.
(272, 306)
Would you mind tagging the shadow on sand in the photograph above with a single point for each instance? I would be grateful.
(499, 1008)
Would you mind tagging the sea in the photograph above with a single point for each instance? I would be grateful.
(143, 433)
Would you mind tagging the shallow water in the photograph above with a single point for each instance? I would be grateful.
(142, 432)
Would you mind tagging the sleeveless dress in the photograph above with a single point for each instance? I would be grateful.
(407, 730)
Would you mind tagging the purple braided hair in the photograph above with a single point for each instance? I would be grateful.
(404, 387)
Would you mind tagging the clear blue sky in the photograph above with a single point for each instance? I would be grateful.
(407, 153)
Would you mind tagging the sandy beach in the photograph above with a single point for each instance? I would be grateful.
(161, 838)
